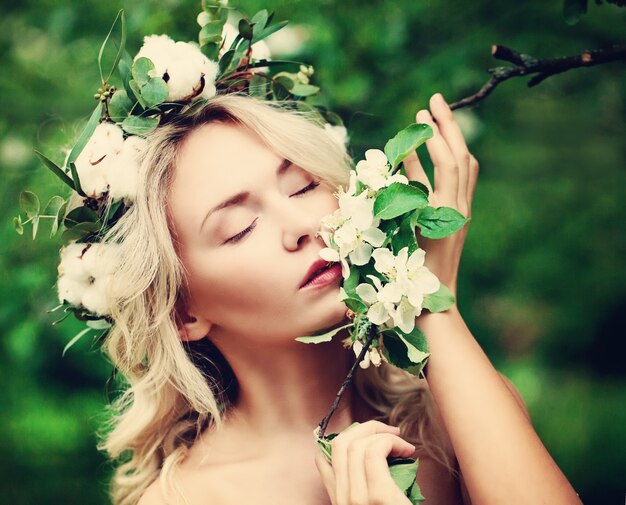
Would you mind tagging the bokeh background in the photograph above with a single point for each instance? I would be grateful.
(542, 279)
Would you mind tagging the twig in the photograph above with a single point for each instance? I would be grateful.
(324, 424)
(526, 65)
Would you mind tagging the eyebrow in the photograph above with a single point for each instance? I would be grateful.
(241, 197)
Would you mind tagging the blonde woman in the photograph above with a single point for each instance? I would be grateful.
(219, 274)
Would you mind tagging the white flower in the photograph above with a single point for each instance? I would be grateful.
(371, 356)
(110, 163)
(380, 299)
(187, 72)
(409, 282)
(96, 157)
(355, 231)
(84, 272)
(373, 171)
(338, 133)
(124, 169)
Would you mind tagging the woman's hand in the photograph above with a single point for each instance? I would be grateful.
(359, 474)
(456, 171)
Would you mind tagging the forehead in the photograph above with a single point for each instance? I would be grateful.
(221, 152)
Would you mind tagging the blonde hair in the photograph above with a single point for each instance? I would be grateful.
(174, 392)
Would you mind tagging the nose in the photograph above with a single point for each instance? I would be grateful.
(300, 229)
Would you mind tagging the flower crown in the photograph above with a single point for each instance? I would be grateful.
(164, 79)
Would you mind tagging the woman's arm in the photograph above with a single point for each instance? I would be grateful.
(500, 455)
(501, 458)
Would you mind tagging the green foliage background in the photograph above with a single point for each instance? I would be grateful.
(542, 281)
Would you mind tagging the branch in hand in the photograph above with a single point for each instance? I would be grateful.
(366, 347)
(528, 65)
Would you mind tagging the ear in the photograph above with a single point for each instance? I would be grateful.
(192, 326)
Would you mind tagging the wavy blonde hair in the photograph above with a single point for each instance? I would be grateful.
(174, 392)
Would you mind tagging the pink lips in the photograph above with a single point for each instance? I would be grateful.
(324, 277)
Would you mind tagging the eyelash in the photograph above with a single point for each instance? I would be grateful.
(240, 235)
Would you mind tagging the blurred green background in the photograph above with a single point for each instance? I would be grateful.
(542, 281)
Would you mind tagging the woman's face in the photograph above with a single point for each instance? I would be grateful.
(246, 261)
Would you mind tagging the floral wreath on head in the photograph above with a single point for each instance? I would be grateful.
(372, 234)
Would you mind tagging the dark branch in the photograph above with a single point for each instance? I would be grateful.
(324, 424)
(527, 65)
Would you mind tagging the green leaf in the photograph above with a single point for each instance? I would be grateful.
(53, 205)
(419, 185)
(398, 198)
(86, 134)
(405, 236)
(75, 339)
(268, 30)
(120, 49)
(415, 494)
(35, 223)
(355, 305)
(440, 222)
(55, 169)
(120, 106)
(29, 203)
(406, 351)
(226, 59)
(324, 337)
(573, 9)
(136, 125)
(154, 91)
(19, 226)
(279, 91)
(439, 301)
(60, 215)
(76, 179)
(405, 142)
(99, 324)
(300, 89)
(211, 32)
(141, 70)
(79, 232)
(351, 282)
(285, 79)
(258, 86)
(245, 29)
(80, 214)
(404, 473)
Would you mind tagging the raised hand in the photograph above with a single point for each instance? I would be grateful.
(359, 474)
(455, 174)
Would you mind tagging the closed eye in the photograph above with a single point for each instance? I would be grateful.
(240, 235)
(311, 186)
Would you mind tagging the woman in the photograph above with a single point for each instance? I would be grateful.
(214, 285)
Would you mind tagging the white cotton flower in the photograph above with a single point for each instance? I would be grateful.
(187, 72)
(373, 171)
(124, 170)
(84, 272)
(337, 133)
(96, 157)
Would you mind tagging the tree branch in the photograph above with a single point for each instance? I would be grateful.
(324, 424)
(526, 65)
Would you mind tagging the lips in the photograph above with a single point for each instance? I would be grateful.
(315, 269)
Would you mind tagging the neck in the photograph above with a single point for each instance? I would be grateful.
(290, 388)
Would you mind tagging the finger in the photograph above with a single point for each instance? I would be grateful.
(357, 485)
(453, 135)
(328, 476)
(446, 172)
(471, 186)
(415, 171)
(340, 446)
(381, 487)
